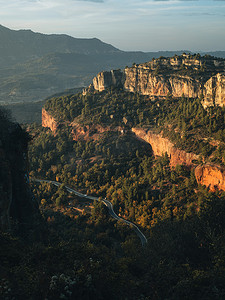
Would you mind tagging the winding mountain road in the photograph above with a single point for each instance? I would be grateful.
(107, 203)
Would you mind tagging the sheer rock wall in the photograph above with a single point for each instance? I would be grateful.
(181, 75)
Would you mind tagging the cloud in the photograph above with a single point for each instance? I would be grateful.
(100, 1)
(128, 24)
(187, 0)
(175, 0)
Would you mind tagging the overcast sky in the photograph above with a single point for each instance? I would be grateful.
(146, 25)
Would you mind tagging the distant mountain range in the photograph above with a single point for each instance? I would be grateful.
(34, 66)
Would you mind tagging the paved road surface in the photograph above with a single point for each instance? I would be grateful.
(107, 203)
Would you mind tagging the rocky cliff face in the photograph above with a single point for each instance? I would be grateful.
(209, 175)
(79, 132)
(214, 90)
(145, 82)
(162, 145)
(49, 121)
(18, 210)
(107, 79)
(191, 76)
(159, 144)
(212, 176)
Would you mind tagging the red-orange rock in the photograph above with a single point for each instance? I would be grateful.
(79, 132)
(87, 132)
(91, 132)
(49, 121)
(162, 145)
(212, 176)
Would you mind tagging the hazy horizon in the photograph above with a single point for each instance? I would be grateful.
(146, 25)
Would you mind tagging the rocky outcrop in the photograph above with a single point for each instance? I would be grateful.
(19, 212)
(212, 176)
(91, 132)
(107, 79)
(214, 91)
(87, 132)
(79, 131)
(49, 121)
(161, 145)
(145, 82)
(191, 76)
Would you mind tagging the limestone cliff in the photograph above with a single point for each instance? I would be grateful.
(214, 90)
(191, 76)
(162, 145)
(49, 121)
(212, 176)
(107, 79)
(18, 210)
(147, 83)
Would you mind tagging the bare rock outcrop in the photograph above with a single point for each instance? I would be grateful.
(87, 132)
(107, 79)
(191, 76)
(214, 91)
(161, 145)
(49, 121)
(145, 82)
(92, 132)
(210, 175)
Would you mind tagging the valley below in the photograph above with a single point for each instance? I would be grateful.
(117, 191)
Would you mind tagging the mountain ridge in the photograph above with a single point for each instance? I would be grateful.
(35, 44)
(187, 75)
(34, 65)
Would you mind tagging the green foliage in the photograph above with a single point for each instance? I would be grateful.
(184, 224)
(109, 107)
(92, 258)
(184, 121)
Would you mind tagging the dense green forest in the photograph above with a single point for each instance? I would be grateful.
(184, 121)
(87, 255)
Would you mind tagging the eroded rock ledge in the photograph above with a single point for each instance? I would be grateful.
(161, 145)
(212, 176)
(49, 121)
(184, 75)
(78, 131)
